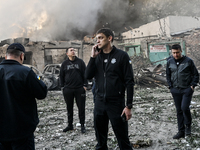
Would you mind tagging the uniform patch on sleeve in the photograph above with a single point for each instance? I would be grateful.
(130, 62)
(38, 77)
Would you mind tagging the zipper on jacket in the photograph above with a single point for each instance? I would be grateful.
(109, 57)
(177, 75)
(104, 96)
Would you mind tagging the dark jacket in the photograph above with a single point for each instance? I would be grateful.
(182, 76)
(118, 76)
(19, 86)
(72, 73)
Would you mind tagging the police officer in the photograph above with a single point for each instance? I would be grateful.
(74, 85)
(113, 73)
(182, 77)
(19, 87)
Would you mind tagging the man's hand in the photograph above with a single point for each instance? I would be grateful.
(127, 113)
(85, 88)
(94, 52)
(192, 88)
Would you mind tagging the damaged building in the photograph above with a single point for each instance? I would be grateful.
(154, 40)
(44, 58)
(148, 45)
(39, 53)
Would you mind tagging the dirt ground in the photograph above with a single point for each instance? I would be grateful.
(151, 127)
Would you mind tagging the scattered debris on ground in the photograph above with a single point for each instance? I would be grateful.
(147, 74)
(152, 125)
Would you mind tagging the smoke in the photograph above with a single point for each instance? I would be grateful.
(48, 20)
(55, 20)
(146, 11)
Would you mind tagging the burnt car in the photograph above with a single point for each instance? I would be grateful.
(51, 76)
(37, 72)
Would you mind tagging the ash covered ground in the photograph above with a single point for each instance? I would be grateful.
(151, 127)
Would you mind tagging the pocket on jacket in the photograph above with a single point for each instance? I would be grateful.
(172, 90)
(188, 91)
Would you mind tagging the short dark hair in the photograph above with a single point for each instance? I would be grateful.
(107, 32)
(14, 52)
(68, 49)
(177, 47)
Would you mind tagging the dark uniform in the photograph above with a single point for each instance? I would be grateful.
(73, 80)
(113, 75)
(19, 86)
(181, 75)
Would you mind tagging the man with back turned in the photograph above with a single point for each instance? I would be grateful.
(19, 86)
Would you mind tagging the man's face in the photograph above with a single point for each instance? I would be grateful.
(176, 53)
(103, 41)
(71, 52)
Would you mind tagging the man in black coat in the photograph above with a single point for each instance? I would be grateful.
(112, 70)
(19, 86)
(73, 84)
(182, 77)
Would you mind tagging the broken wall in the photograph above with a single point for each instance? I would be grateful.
(192, 44)
(43, 53)
(86, 53)
(57, 56)
(3, 52)
(37, 58)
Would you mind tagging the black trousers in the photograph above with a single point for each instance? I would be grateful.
(22, 144)
(79, 95)
(103, 112)
(93, 91)
(182, 99)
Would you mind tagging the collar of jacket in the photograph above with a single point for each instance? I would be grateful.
(9, 61)
(71, 60)
(112, 51)
(183, 56)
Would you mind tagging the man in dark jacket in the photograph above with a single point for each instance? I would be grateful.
(182, 77)
(113, 74)
(73, 84)
(19, 87)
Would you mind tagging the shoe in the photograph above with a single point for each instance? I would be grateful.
(179, 135)
(68, 128)
(187, 129)
(83, 129)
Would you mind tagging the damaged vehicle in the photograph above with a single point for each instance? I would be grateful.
(51, 76)
(37, 72)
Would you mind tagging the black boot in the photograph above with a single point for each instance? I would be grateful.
(179, 135)
(188, 129)
(83, 128)
(68, 128)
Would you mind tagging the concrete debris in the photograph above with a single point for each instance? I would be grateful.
(146, 74)
(142, 143)
(152, 125)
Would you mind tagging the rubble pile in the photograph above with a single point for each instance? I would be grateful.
(152, 125)
(146, 74)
